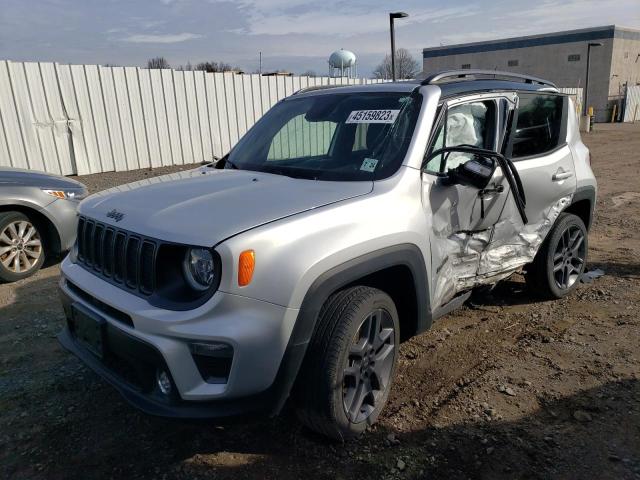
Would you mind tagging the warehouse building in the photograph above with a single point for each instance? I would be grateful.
(560, 57)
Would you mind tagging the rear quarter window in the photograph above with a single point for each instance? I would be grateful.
(539, 126)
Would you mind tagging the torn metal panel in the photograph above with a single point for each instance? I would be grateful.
(472, 259)
(461, 254)
(515, 244)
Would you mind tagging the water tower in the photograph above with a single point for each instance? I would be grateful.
(343, 63)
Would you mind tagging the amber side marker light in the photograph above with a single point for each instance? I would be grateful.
(246, 264)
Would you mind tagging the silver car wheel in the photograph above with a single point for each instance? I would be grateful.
(569, 257)
(369, 367)
(20, 246)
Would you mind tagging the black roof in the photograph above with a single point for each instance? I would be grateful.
(457, 87)
(453, 83)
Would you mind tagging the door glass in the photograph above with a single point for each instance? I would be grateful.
(539, 124)
(467, 124)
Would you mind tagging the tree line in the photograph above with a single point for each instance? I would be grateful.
(406, 66)
(161, 62)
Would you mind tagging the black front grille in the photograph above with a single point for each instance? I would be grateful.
(124, 258)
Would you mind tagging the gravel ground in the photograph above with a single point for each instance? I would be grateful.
(504, 387)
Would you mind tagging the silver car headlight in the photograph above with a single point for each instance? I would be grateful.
(200, 268)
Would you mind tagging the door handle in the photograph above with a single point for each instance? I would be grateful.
(561, 176)
(491, 191)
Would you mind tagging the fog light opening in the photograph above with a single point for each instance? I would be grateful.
(164, 382)
(213, 360)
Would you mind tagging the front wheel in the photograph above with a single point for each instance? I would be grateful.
(560, 262)
(351, 360)
(21, 249)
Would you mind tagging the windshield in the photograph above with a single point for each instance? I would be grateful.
(340, 137)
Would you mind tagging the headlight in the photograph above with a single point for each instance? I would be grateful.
(199, 268)
(76, 194)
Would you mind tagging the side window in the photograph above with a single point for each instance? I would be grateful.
(465, 124)
(539, 124)
(301, 138)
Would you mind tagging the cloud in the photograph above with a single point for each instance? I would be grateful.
(553, 15)
(292, 34)
(147, 24)
(536, 19)
(166, 38)
(335, 20)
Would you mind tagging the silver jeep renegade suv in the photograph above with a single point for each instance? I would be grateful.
(344, 222)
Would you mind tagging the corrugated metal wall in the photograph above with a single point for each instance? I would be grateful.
(576, 94)
(632, 104)
(82, 119)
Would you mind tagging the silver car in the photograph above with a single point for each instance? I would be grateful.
(346, 220)
(38, 219)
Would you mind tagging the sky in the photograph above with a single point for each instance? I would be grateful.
(294, 35)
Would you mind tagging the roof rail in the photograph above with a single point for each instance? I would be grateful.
(463, 74)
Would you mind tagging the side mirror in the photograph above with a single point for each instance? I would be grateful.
(476, 172)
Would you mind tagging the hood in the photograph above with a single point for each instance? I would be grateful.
(34, 178)
(205, 206)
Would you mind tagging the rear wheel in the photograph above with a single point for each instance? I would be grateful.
(560, 262)
(21, 247)
(346, 377)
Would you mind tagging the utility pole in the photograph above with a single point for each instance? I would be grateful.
(392, 17)
(260, 68)
(586, 83)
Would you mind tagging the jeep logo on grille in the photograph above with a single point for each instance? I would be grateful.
(116, 215)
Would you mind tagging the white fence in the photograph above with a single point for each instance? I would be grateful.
(81, 119)
(632, 104)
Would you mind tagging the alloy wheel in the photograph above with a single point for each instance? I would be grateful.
(20, 246)
(569, 257)
(369, 366)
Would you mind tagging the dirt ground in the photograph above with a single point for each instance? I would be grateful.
(506, 387)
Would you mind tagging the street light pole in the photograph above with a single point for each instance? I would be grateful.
(586, 83)
(392, 17)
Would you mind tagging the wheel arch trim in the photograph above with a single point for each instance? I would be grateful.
(587, 192)
(408, 255)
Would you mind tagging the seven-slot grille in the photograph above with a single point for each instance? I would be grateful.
(126, 259)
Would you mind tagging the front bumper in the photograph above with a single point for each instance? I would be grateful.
(258, 331)
(150, 402)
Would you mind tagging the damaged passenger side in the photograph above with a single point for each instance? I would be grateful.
(481, 233)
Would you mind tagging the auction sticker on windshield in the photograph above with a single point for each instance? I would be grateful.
(373, 116)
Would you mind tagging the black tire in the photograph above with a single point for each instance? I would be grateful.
(8, 272)
(324, 388)
(544, 277)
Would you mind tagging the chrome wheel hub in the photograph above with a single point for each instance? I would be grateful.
(20, 246)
